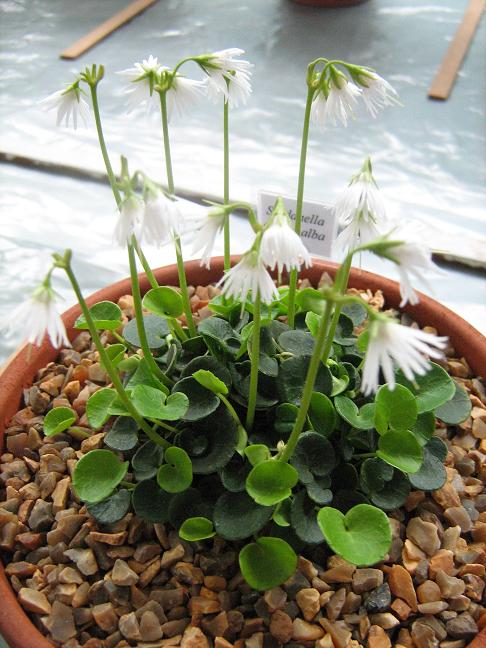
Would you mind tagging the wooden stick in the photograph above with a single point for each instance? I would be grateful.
(102, 31)
(444, 80)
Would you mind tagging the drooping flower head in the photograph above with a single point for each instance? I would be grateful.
(183, 94)
(281, 246)
(392, 345)
(129, 220)
(377, 93)
(163, 219)
(37, 316)
(142, 78)
(227, 75)
(207, 229)
(335, 101)
(69, 104)
(249, 275)
(360, 210)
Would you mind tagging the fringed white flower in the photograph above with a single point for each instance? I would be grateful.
(129, 220)
(339, 104)
(207, 229)
(414, 262)
(37, 316)
(141, 77)
(69, 104)
(249, 276)
(360, 210)
(281, 246)
(377, 93)
(392, 345)
(183, 94)
(228, 75)
(163, 220)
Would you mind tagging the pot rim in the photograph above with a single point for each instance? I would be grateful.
(19, 370)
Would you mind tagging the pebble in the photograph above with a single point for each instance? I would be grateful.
(85, 560)
(304, 631)
(34, 601)
(122, 574)
(462, 626)
(424, 535)
(281, 626)
(365, 580)
(172, 556)
(194, 638)
(41, 517)
(385, 620)
(308, 600)
(335, 604)
(339, 632)
(379, 599)
(275, 598)
(128, 626)
(150, 629)
(105, 617)
(61, 622)
(428, 591)
(434, 607)
(401, 585)
(450, 586)
(423, 636)
(377, 638)
(457, 515)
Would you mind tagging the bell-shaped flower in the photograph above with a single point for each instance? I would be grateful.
(360, 210)
(281, 246)
(392, 345)
(377, 93)
(129, 220)
(163, 219)
(206, 231)
(142, 77)
(335, 103)
(183, 94)
(228, 75)
(69, 104)
(37, 316)
(249, 275)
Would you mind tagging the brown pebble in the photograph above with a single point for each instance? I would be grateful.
(377, 638)
(105, 617)
(428, 592)
(304, 631)
(434, 607)
(401, 585)
(149, 624)
(275, 598)
(342, 573)
(338, 631)
(128, 626)
(61, 622)
(457, 515)
(401, 609)
(308, 601)
(335, 604)
(34, 601)
(194, 638)
(112, 539)
(444, 560)
(172, 556)
(281, 626)
(449, 585)
(85, 560)
(367, 579)
(424, 535)
(122, 574)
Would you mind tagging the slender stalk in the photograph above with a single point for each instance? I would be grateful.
(110, 370)
(255, 361)
(145, 264)
(137, 303)
(226, 230)
(337, 310)
(230, 408)
(178, 330)
(300, 199)
(309, 385)
(101, 139)
(165, 130)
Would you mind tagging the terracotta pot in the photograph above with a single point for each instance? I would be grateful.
(20, 370)
(329, 4)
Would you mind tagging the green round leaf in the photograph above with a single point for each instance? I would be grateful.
(395, 408)
(98, 407)
(433, 389)
(123, 435)
(374, 474)
(438, 448)
(271, 481)
(221, 434)
(356, 312)
(457, 409)
(281, 514)
(319, 492)
(303, 515)
(362, 536)
(236, 516)
(233, 475)
(257, 453)
(148, 401)
(150, 502)
(97, 474)
(311, 299)
(432, 473)
(209, 381)
(143, 375)
(297, 342)
(58, 419)
(424, 427)
(322, 414)
(313, 456)
(156, 330)
(210, 364)
(106, 316)
(202, 402)
(175, 475)
(197, 528)
(400, 449)
(146, 460)
(362, 419)
(285, 415)
(112, 509)
(266, 563)
(187, 504)
(292, 375)
(163, 301)
(393, 494)
(116, 353)
(220, 337)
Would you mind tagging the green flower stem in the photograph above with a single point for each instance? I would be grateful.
(309, 384)
(177, 241)
(300, 199)
(364, 455)
(137, 303)
(111, 371)
(186, 303)
(101, 139)
(178, 330)
(161, 424)
(344, 278)
(226, 228)
(230, 408)
(145, 264)
(255, 361)
(119, 338)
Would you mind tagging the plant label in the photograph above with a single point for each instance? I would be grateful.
(319, 226)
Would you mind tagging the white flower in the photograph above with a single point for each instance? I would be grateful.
(162, 221)
(206, 232)
(142, 76)
(414, 261)
(37, 316)
(339, 104)
(228, 75)
(360, 210)
(281, 246)
(376, 92)
(183, 94)
(69, 104)
(391, 343)
(249, 275)
(128, 221)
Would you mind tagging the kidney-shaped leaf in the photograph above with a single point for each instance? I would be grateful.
(362, 536)
(97, 474)
(98, 406)
(202, 402)
(400, 449)
(111, 509)
(58, 420)
(314, 456)
(196, 528)
(123, 435)
(163, 301)
(237, 516)
(175, 475)
(395, 408)
(271, 481)
(156, 330)
(150, 502)
(362, 419)
(322, 414)
(457, 409)
(433, 389)
(268, 562)
(106, 315)
(208, 380)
